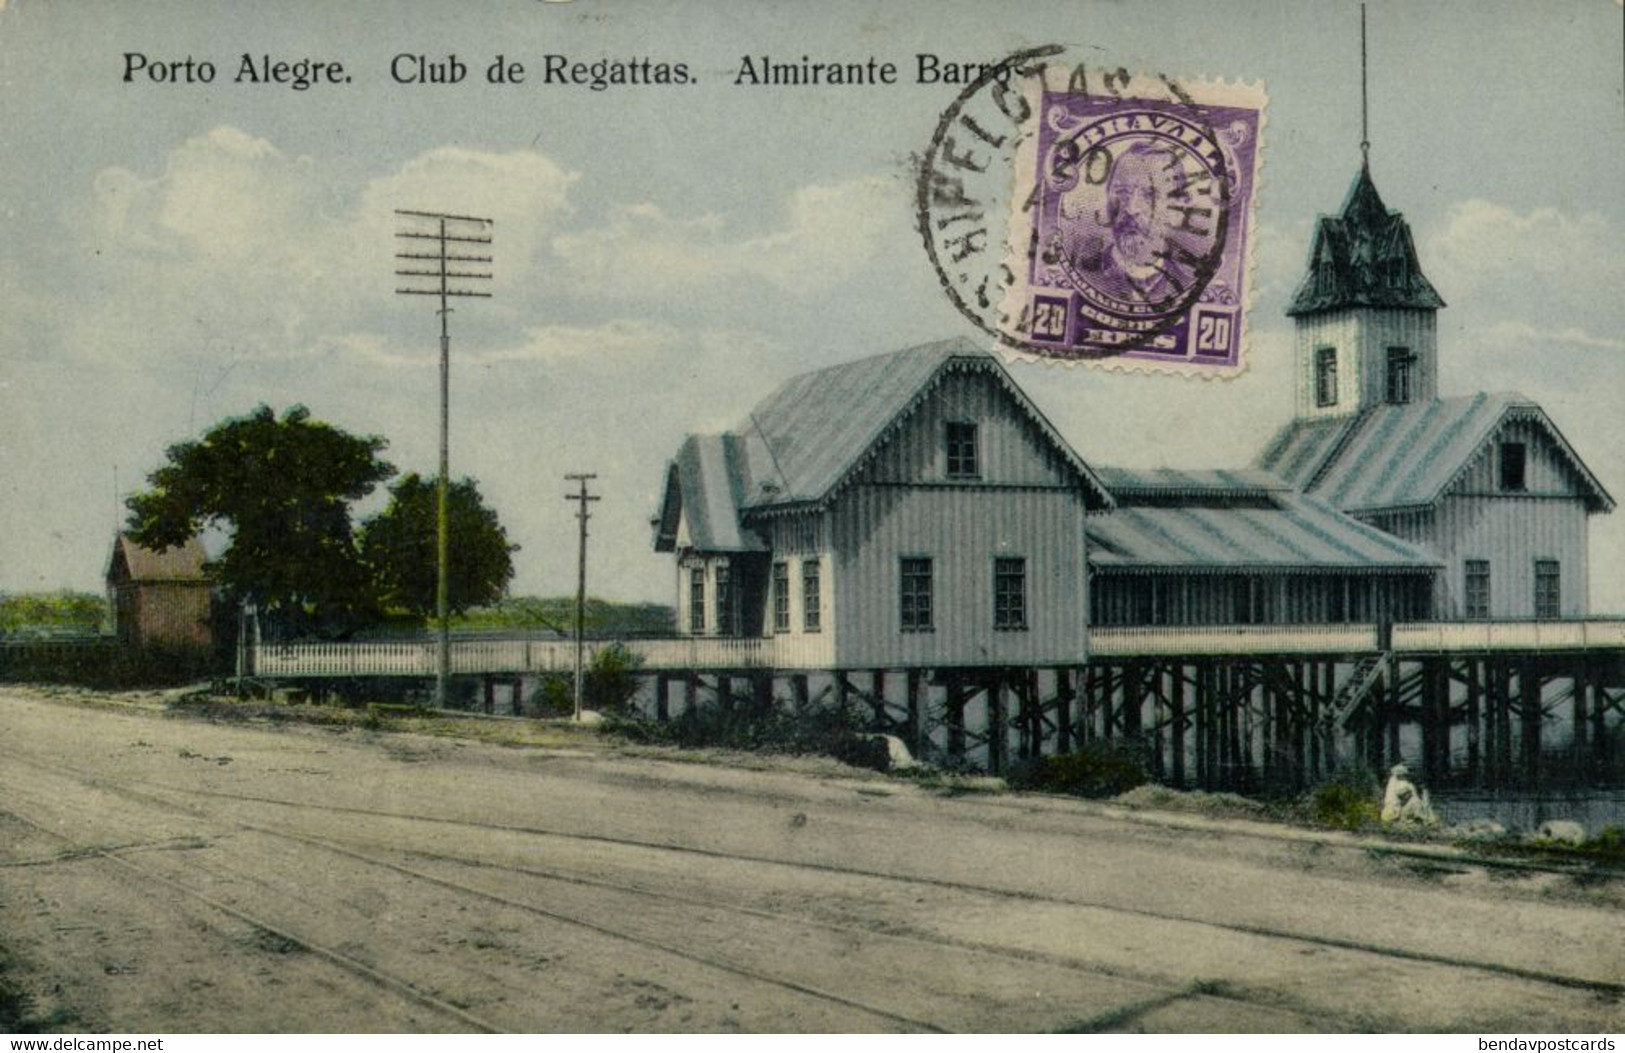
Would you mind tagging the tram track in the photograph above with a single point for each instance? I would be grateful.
(1611, 989)
(1160, 991)
(399, 984)
(395, 984)
(723, 897)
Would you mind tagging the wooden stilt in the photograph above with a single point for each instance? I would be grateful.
(1474, 731)
(915, 683)
(1176, 690)
(954, 714)
(998, 724)
(1579, 750)
(1065, 692)
(1529, 710)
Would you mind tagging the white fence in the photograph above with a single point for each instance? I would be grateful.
(1200, 640)
(495, 656)
(1446, 637)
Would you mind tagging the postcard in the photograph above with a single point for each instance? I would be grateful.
(716, 517)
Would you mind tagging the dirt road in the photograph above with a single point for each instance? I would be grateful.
(160, 874)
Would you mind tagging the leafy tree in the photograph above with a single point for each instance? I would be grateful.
(400, 544)
(284, 488)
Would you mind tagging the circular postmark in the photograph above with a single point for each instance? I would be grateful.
(1117, 195)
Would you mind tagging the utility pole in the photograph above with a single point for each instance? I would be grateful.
(432, 273)
(583, 515)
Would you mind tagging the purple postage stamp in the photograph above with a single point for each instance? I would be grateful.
(1130, 227)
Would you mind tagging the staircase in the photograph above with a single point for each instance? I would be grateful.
(1354, 690)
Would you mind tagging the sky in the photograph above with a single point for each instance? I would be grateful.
(175, 254)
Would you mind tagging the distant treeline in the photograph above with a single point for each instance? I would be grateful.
(603, 617)
(63, 611)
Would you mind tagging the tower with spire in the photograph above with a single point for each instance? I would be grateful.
(1365, 313)
(1485, 483)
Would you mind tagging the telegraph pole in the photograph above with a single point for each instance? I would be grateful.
(583, 515)
(432, 273)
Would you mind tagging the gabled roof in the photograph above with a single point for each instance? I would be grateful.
(705, 484)
(131, 562)
(1290, 533)
(1407, 456)
(808, 438)
(1363, 257)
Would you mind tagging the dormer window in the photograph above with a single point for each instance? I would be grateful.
(1401, 364)
(1326, 376)
(1514, 457)
(963, 462)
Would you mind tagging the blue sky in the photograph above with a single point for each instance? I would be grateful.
(175, 254)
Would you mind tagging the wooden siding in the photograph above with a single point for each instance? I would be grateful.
(1476, 520)
(962, 530)
(162, 613)
(1010, 449)
(1547, 472)
(1362, 338)
(1512, 532)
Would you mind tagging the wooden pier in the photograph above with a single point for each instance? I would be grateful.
(1246, 708)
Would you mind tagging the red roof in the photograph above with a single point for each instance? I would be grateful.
(183, 562)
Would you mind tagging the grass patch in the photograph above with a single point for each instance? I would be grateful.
(767, 728)
(17, 1012)
(1347, 801)
(1103, 768)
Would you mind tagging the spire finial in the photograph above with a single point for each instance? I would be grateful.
(1365, 134)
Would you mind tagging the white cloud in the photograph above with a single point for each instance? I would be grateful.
(828, 234)
(236, 243)
(1487, 252)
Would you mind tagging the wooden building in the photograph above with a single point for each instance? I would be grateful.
(1485, 483)
(903, 511)
(159, 598)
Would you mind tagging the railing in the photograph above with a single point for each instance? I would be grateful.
(1198, 640)
(1573, 635)
(518, 656)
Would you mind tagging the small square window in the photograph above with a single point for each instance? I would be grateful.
(1548, 589)
(1326, 376)
(1476, 600)
(781, 597)
(963, 462)
(915, 613)
(696, 600)
(812, 600)
(1401, 364)
(725, 604)
(1009, 593)
(1514, 459)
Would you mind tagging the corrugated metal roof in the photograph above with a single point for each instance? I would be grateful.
(1301, 447)
(1405, 456)
(710, 472)
(807, 437)
(1363, 257)
(1298, 534)
(1217, 483)
(183, 562)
